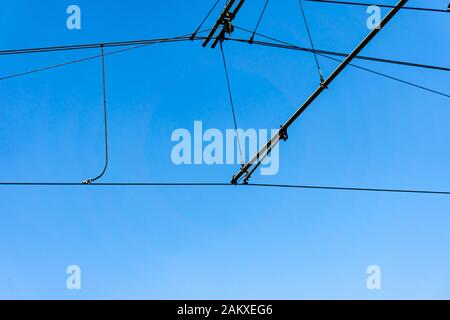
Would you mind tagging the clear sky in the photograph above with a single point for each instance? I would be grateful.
(206, 242)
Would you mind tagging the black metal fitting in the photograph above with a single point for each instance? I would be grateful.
(283, 134)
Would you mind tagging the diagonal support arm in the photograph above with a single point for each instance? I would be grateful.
(247, 170)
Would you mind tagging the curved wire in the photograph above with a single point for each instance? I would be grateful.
(105, 123)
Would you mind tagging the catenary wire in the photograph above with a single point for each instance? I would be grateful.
(230, 94)
(311, 42)
(147, 42)
(352, 3)
(204, 19)
(96, 45)
(185, 38)
(68, 63)
(222, 184)
(285, 45)
(94, 57)
(390, 77)
(105, 124)
(240, 40)
(259, 20)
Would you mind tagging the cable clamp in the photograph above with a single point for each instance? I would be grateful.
(283, 134)
(227, 25)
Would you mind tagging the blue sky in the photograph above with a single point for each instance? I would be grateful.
(188, 243)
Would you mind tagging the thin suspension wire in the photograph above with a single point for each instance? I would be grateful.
(114, 184)
(105, 123)
(259, 21)
(222, 184)
(229, 39)
(186, 38)
(94, 45)
(204, 20)
(231, 102)
(333, 188)
(294, 47)
(378, 5)
(59, 65)
(390, 77)
(176, 39)
(363, 68)
(311, 42)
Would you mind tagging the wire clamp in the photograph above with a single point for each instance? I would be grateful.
(283, 134)
(227, 25)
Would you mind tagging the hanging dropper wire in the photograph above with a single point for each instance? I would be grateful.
(258, 23)
(311, 42)
(204, 20)
(230, 94)
(105, 122)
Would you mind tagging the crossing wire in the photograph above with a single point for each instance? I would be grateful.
(390, 77)
(145, 44)
(204, 20)
(98, 45)
(140, 43)
(281, 44)
(185, 38)
(259, 20)
(311, 41)
(226, 185)
(230, 94)
(352, 3)
(285, 45)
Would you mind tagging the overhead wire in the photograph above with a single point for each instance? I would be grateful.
(145, 44)
(105, 124)
(204, 20)
(311, 42)
(391, 77)
(286, 45)
(334, 188)
(186, 38)
(59, 65)
(352, 3)
(233, 110)
(259, 20)
(141, 43)
(283, 45)
(97, 45)
(223, 184)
